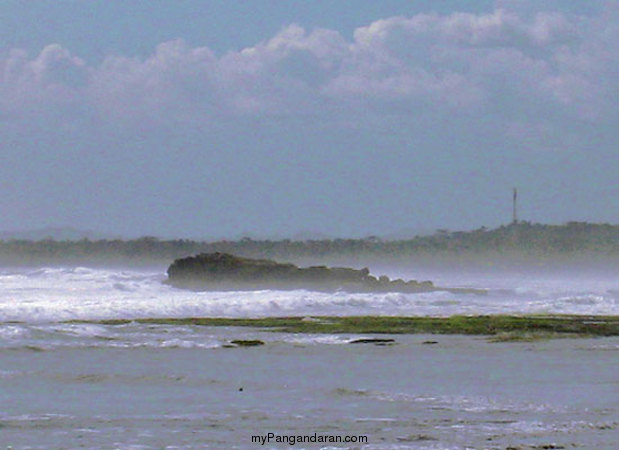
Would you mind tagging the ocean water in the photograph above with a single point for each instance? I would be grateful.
(60, 294)
(138, 386)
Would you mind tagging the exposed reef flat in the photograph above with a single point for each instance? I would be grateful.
(222, 271)
(499, 327)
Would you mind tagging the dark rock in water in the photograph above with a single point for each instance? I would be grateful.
(222, 271)
(376, 341)
(247, 342)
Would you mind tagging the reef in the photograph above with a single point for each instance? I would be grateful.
(222, 271)
(501, 328)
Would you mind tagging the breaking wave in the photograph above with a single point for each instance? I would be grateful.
(60, 294)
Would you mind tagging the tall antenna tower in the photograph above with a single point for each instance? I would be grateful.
(515, 207)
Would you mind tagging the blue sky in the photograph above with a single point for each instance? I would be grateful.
(275, 118)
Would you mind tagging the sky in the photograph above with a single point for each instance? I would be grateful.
(281, 119)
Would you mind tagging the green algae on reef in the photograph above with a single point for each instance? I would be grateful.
(502, 327)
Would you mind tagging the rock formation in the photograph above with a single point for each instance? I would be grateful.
(222, 271)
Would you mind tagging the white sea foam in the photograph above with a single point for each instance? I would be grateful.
(50, 336)
(58, 294)
(465, 403)
(308, 339)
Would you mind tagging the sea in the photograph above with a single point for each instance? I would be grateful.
(68, 381)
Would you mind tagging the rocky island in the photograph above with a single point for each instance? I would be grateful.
(222, 271)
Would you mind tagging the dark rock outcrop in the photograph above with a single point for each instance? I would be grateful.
(222, 271)
(375, 341)
(247, 342)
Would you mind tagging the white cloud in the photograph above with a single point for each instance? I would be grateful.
(522, 67)
(53, 79)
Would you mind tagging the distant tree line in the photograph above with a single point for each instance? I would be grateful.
(522, 238)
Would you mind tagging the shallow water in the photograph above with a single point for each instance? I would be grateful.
(88, 385)
(462, 392)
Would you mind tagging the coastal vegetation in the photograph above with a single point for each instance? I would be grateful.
(522, 239)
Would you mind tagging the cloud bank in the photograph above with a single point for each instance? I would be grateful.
(458, 63)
